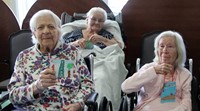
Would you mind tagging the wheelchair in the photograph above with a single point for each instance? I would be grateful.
(105, 104)
(129, 101)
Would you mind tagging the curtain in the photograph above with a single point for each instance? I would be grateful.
(20, 8)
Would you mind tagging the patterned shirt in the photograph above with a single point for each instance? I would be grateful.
(73, 87)
(77, 34)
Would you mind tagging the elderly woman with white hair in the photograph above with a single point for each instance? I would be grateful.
(163, 85)
(93, 33)
(109, 69)
(50, 75)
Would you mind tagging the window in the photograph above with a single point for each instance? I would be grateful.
(21, 7)
(116, 5)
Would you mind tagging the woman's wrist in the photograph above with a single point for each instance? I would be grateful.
(81, 104)
(38, 87)
(104, 40)
(36, 90)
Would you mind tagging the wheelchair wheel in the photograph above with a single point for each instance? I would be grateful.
(95, 107)
(103, 104)
(123, 104)
(109, 106)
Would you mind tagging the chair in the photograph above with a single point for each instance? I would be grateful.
(66, 18)
(90, 103)
(18, 42)
(195, 94)
(22, 40)
(147, 54)
(16, 39)
(77, 19)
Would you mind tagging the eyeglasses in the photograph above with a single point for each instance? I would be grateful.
(97, 20)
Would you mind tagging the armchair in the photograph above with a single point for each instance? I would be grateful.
(77, 21)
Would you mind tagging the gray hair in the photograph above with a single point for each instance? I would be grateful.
(41, 13)
(181, 57)
(97, 9)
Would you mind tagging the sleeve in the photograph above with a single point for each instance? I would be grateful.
(19, 92)
(185, 104)
(133, 84)
(86, 83)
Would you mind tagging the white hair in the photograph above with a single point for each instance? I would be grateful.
(181, 57)
(97, 9)
(41, 13)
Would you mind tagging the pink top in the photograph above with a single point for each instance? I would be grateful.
(150, 86)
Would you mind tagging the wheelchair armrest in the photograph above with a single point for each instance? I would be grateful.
(109, 106)
(89, 60)
(4, 97)
(5, 104)
(91, 100)
(128, 102)
(190, 64)
(137, 64)
(124, 104)
(3, 85)
(103, 104)
(133, 94)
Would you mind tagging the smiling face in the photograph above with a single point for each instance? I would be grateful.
(167, 50)
(46, 32)
(95, 21)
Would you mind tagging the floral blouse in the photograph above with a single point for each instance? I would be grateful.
(77, 34)
(72, 87)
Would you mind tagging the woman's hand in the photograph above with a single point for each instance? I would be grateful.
(97, 38)
(163, 68)
(46, 78)
(81, 43)
(72, 107)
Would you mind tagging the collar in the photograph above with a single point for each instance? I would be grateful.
(55, 50)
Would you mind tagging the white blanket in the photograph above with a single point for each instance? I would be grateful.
(109, 72)
(109, 69)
